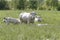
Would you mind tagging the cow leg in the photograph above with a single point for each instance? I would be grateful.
(28, 21)
(6, 21)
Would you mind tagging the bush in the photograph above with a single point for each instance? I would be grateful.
(42, 8)
(3, 5)
(33, 5)
(21, 4)
(58, 8)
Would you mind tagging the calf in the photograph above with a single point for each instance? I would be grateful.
(38, 19)
(8, 20)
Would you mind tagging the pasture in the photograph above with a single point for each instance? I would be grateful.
(31, 31)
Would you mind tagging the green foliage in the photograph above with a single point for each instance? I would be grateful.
(33, 4)
(52, 3)
(21, 4)
(29, 4)
(48, 2)
(3, 5)
(13, 4)
(58, 8)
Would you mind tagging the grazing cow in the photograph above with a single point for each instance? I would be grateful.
(38, 19)
(8, 20)
(27, 17)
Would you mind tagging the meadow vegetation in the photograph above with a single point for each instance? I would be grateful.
(31, 31)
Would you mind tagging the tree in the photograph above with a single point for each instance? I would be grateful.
(58, 8)
(52, 3)
(33, 4)
(3, 4)
(21, 4)
(13, 4)
(41, 4)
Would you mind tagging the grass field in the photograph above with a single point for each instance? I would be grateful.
(31, 31)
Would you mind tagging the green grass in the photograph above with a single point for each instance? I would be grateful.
(31, 31)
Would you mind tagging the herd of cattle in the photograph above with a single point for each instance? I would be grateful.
(24, 17)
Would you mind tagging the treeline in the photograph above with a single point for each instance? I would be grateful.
(29, 4)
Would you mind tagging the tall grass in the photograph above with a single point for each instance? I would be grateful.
(31, 31)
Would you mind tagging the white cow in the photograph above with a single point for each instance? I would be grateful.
(27, 17)
(38, 19)
(8, 20)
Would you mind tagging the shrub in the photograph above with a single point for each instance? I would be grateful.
(3, 5)
(58, 8)
(33, 5)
